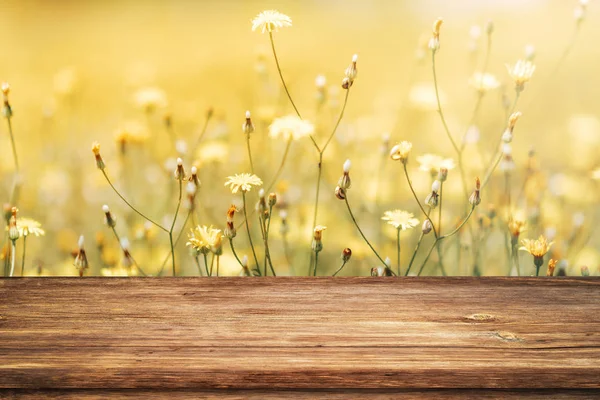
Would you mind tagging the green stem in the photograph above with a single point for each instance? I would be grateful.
(123, 249)
(434, 244)
(206, 264)
(23, 257)
(419, 202)
(281, 165)
(287, 92)
(339, 269)
(318, 190)
(267, 250)
(398, 249)
(131, 206)
(439, 104)
(204, 128)
(164, 263)
(13, 144)
(234, 253)
(173, 227)
(360, 231)
(248, 230)
(337, 123)
(13, 257)
(249, 153)
(412, 259)
(198, 264)
(316, 263)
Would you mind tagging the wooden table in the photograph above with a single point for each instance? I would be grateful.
(264, 338)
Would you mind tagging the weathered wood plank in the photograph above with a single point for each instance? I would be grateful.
(426, 394)
(300, 333)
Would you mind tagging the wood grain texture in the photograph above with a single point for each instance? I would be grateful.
(302, 337)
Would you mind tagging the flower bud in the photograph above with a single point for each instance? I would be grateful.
(346, 254)
(475, 197)
(194, 177)
(317, 244)
(99, 160)
(179, 171)
(585, 271)
(432, 199)
(443, 174)
(350, 73)
(426, 227)
(7, 109)
(401, 151)
(81, 262)
(345, 182)
(230, 231)
(109, 220)
(340, 193)
(247, 126)
(272, 199)
(551, 266)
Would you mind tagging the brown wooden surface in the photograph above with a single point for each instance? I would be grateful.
(299, 337)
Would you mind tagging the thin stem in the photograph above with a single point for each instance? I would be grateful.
(206, 264)
(14, 146)
(234, 253)
(123, 249)
(287, 92)
(339, 269)
(281, 165)
(218, 258)
(248, 230)
(360, 231)
(419, 202)
(164, 263)
(249, 153)
(398, 249)
(267, 250)
(204, 128)
(318, 190)
(439, 104)
(131, 206)
(316, 263)
(434, 244)
(13, 257)
(337, 123)
(198, 264)
(173, 227)
(23, 257)
(212, 263)
(412, 259)
(281, 75)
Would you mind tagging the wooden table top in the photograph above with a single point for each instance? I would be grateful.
(269, 338)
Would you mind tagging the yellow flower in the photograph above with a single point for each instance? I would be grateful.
(401, 151)
(516, 226)
(150, 98)
(270, 21)
(537, 248)
(131, 132)
(204, 239)
(483, 82)
(290, 126)
(243, 181)
(521, 73)
(212, 152)
(27, 226)
(400, 219)
(432, 163)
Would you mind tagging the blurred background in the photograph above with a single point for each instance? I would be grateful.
(77, 70)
